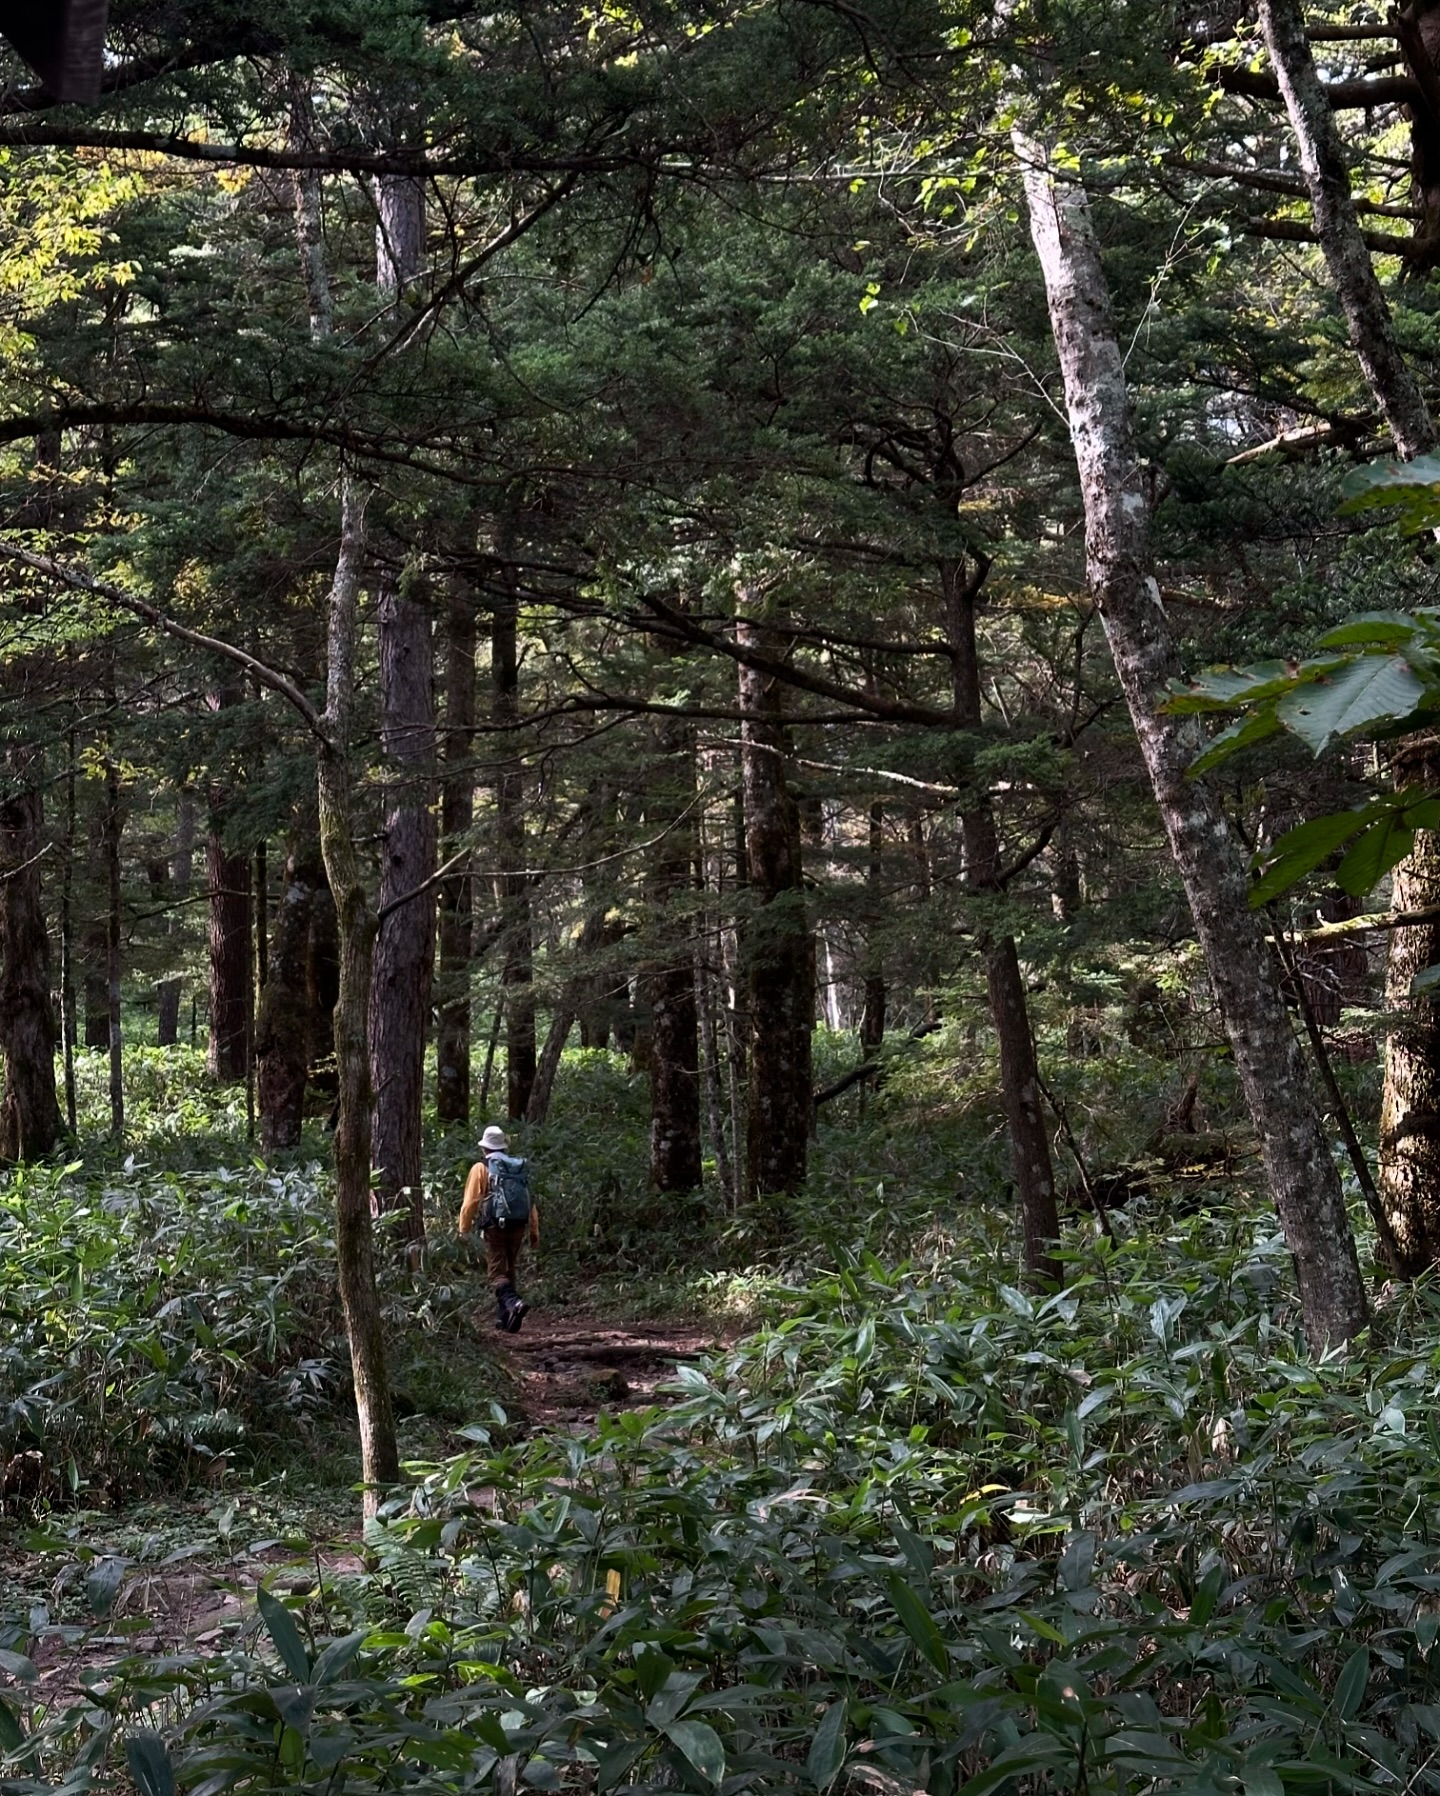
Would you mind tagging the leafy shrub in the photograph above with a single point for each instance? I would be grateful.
(923, 1532)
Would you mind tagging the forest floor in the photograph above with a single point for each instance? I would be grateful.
(569, 1366)
(170, 1596)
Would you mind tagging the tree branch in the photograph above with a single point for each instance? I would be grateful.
(258, 670)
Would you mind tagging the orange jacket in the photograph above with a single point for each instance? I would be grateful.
(477, 1189)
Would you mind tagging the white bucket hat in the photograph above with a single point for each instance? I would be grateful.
(493, 1140)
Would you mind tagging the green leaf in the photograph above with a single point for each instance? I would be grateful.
(1386, 628)
(701, 1745)
(337, 1657)
(1377, 849)
(102, 1584)
(149, 1761)
(1301, 850)
(1351, 1683)
(1222, 688)
(827, 1749)
(1368, 690)
(295, 1704)
(1413, 487)
(1207, 1594)
(12, 1735)
(1262, 1780)
(919, 1624)
(1243, 733)
(280, 1625)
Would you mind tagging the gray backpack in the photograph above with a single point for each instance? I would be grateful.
(508, 1198)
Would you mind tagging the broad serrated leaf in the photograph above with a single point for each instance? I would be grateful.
(1384, 628)
(1245, 732)
(1300, 851)
(1412, 487)
(1368, 690)
(1376, 850)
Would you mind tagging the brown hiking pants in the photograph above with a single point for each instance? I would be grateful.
(503, 1241)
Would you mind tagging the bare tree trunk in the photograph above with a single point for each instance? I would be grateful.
(1019, 1075)
(283, 1026)
(872, 1012)
(1409, 1168)
(548, 1064)
(1410, 1105)
(114, 936)
(29, 1107)
(457, 810)
(182, 871)
(669, 977)
(512, 883)
(404, 951)
(1302, 1175)
(67, 937)
(779, 952)
(355, 921)
(228, 876)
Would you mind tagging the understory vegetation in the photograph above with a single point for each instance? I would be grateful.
(916, 1529)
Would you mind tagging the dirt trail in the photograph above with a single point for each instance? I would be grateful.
(570, 1366)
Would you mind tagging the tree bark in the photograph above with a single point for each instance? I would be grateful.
(404, 950)
(1409, 1158)
(182, 871)
(457, 810)
(1327, 175)
(1030, 1162)
(548, 1065)
(283, 1027)
(114, 936)
(29, 1107)
(669, 977)
(779, 952)
(512, 885)
(872, 1010)
(1303, 1178)
(228, 876)
(355, 917)
(356, 928)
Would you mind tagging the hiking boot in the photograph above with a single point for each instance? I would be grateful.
(518, 1311)
(504, 1297)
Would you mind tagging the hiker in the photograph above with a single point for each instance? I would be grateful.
(497, 1198)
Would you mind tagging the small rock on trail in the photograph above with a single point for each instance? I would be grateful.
(570, 1367)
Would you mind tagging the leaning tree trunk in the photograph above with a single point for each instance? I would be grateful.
(1009, 1011)
(512, 882)
(29, 1107)
(669, 979)
(1302, 1175)
(404, 951)
(282, 1025)
(1410, 1115)
(457, 811)
(779, 951)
